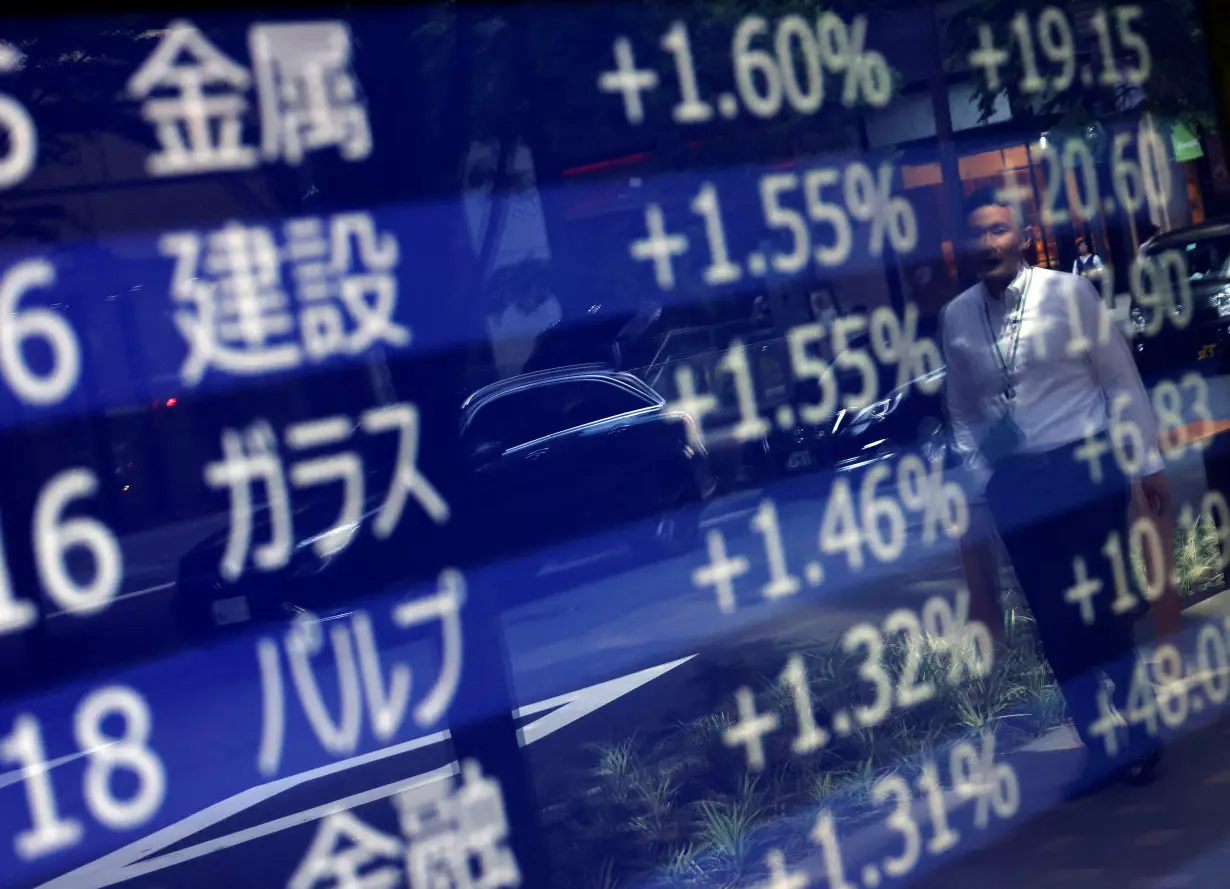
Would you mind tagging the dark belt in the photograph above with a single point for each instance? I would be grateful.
(1044, 460)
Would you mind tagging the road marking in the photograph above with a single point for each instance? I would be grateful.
(554, 567)
(112, 868)
(133, 860)
(157, 588)
(286, 822)
(7, 778)
(573, 705)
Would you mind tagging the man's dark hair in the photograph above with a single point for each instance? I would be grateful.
(984, 197)
(1081, 242)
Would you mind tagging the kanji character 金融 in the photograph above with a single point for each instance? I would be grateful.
(343, 854)
(309, 98)
(248, 457)
(457, 837)
(236, 316)
(344, 309)
(194, 96)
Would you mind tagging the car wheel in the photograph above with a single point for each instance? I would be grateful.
(677, 530)
(192, 618)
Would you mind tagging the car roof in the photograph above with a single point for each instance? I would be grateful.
(552, 376)
(1215, 228)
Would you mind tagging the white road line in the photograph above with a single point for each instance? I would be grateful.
(132, 860)
(285, 823)
(157, 588)
(554, 567)
(112, 868)
(7, 778)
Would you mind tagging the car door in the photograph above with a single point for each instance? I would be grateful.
(615, 452)
(518, 470)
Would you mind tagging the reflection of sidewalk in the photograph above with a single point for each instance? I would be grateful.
(151, 562)
(1172, 833)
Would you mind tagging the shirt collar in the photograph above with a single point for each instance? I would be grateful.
(1015, 290)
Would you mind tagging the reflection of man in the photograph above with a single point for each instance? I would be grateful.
(1088, 264)
(531, 309)
(1022, 401)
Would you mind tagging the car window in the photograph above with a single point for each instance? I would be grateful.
(537, 411)
(1209, 258)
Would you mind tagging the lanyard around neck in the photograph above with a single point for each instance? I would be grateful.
(1007, 365)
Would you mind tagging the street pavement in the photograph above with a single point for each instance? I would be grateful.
(1171, 834)
(647, 626)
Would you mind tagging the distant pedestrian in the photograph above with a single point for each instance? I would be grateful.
(1088, 264)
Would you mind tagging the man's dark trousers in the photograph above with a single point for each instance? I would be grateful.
(1049, 509)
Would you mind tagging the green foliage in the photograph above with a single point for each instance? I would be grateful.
(602, 877)
(725, 827)
(1197, 556)
(618, 766)
(668, 811)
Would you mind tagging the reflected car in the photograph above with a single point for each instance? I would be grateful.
(908, 419)
(1163, 347)
(206, 601)
(557, 463)
(577, 451)
(905, 418)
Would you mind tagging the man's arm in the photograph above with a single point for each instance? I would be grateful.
(961, 405)
(1111, 357)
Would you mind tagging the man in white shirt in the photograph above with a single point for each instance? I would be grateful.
(1035, 366)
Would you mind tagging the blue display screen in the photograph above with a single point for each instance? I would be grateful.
(614, 445)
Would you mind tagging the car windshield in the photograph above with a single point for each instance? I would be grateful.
(1208, 257)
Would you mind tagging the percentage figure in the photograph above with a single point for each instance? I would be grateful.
(870, 199)
(968, 646)
(941, 503)
(975, 775)
(842, 47)
(895, 342)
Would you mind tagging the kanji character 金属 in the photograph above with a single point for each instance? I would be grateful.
(308, 96)
(342, 848)
(444, 606)
(248, 457)
(344, 309)
(193, 96)
(407, 479)
(236, 317)
(346, 467)
(457, 838)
